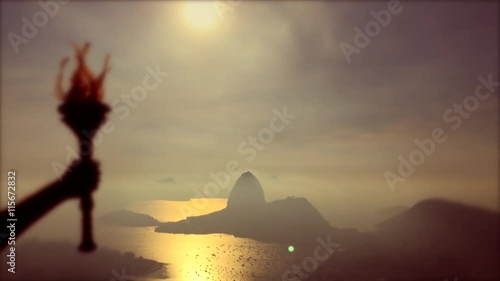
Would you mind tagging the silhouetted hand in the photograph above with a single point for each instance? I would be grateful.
(83, 177)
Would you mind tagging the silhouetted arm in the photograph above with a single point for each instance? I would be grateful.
(80, 179)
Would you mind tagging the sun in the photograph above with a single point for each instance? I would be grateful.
(200, 14)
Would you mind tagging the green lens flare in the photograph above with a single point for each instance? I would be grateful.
(291, 248)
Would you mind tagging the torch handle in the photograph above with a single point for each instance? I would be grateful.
(86, 204)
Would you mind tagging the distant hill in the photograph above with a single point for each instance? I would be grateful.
(247, 194)
(58, 260)
(129, 218)
(434, 240)
(291, 220)
(390, 212)
(443, 226)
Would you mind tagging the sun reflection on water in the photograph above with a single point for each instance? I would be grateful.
(199, 257)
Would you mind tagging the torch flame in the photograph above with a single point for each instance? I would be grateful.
(83, 84)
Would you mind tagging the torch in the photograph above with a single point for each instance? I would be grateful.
(84, 112)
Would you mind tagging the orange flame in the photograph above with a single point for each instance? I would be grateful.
(83, 84)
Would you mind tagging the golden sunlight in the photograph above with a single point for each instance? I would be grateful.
(200, 14)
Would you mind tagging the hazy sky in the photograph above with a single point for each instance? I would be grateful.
(352, 120)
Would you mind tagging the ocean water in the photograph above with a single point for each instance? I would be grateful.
(192, 257)
(203, 257)
(200, 257)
